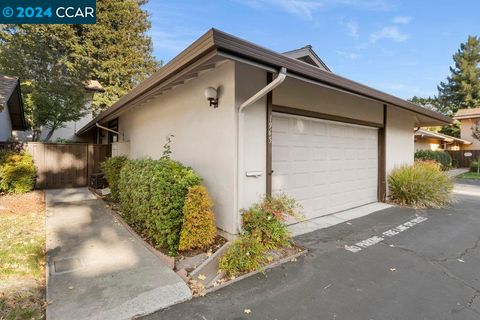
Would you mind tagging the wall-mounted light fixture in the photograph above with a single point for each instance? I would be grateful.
(212, 96)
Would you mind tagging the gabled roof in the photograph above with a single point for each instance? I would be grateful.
(443, 137)
(308, 55)
(467, 113)
(11, 97)
(216, 45)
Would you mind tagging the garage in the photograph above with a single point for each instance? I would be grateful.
(327, 166)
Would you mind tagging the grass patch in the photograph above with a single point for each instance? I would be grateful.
(469, 175)
(22, 256)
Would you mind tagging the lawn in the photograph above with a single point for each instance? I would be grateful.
(469, 175)
(22, 256)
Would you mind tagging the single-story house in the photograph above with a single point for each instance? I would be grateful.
(429, 140)
(252, 121)
(469, 126)
(12, 116)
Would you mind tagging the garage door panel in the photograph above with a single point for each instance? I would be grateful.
(327, 166)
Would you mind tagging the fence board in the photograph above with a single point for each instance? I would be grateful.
(66, 165)
(463, 158)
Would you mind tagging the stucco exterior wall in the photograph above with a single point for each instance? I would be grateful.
(252, 138)
(466, 134)
(427, 144)
(5, 124)
(399, 148)
(204, 137)
(303, 95)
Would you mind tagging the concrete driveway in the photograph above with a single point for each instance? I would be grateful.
(96, 268)
(407, 268)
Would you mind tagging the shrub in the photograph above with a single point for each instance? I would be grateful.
(474, 166)
(111, 167)
(442, 157)
(420, 185)
(17, 172)
(245, 254)
(266, 220)
(198, 229)
(152, 195)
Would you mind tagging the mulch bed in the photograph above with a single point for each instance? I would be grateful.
(31, 202)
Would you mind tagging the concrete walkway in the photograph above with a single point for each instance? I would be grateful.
(455, 172)
(96, 268)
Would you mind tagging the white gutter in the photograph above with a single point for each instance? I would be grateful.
(240, 174)
(269, 87)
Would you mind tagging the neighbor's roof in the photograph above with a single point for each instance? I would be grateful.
(308, 55)
(94, 85)
(435, 135)
(467, 113)
(10, 96)
(216, 45)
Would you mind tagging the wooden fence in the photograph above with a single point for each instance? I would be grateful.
(66, 165)
(463, 158)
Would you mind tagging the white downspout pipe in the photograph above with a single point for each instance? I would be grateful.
(240, 140)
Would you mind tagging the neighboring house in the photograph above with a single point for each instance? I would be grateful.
(252, 121)
(429, 140)
(12, 116)
(68, 132)
(469, 126)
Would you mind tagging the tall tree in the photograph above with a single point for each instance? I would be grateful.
(462, 88)
(48, 60)
(118, 50)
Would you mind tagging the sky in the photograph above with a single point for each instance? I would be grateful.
(403, 47)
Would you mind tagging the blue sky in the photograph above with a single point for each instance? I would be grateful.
(400, 47)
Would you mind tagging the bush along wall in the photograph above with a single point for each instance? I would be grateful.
(442, 157)
(111, 167)
(152, 196)
(17, 172)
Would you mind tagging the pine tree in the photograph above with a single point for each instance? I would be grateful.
(118, 50)
(462, 88)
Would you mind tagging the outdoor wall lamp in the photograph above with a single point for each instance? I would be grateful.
(212, 97)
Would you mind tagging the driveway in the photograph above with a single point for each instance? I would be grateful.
(422, 269)
(97, 269)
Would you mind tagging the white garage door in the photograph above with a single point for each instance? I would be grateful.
(327, 166)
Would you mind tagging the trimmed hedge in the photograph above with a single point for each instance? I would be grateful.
(111, 167)
(152, 195)
(198, 229)
(473, 166)
(421, 185)
(17, 172)
(442, 157)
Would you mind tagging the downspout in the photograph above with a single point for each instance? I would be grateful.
(240, 126)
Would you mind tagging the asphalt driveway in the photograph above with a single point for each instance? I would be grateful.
(407, 268)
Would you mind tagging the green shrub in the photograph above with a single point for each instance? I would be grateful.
(245, 254)
(442, 157)
(17, 172)
(111, 167)
(473, 166)
(198, 228)
(152, 195)
(420, 185)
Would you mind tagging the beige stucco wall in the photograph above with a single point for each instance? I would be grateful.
(303, 95)
(427, 144)
(399, 140)
(204, 137)
(5, 124)
(466, 134)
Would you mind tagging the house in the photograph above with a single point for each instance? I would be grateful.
(68, 131)
(469, 126)
(252, 121)
(11, 107)
(429, 140)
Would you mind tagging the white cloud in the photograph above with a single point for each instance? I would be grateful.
(391, 33)
(349, 55)
(306, 8)
(402, 19)
(352, 27)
